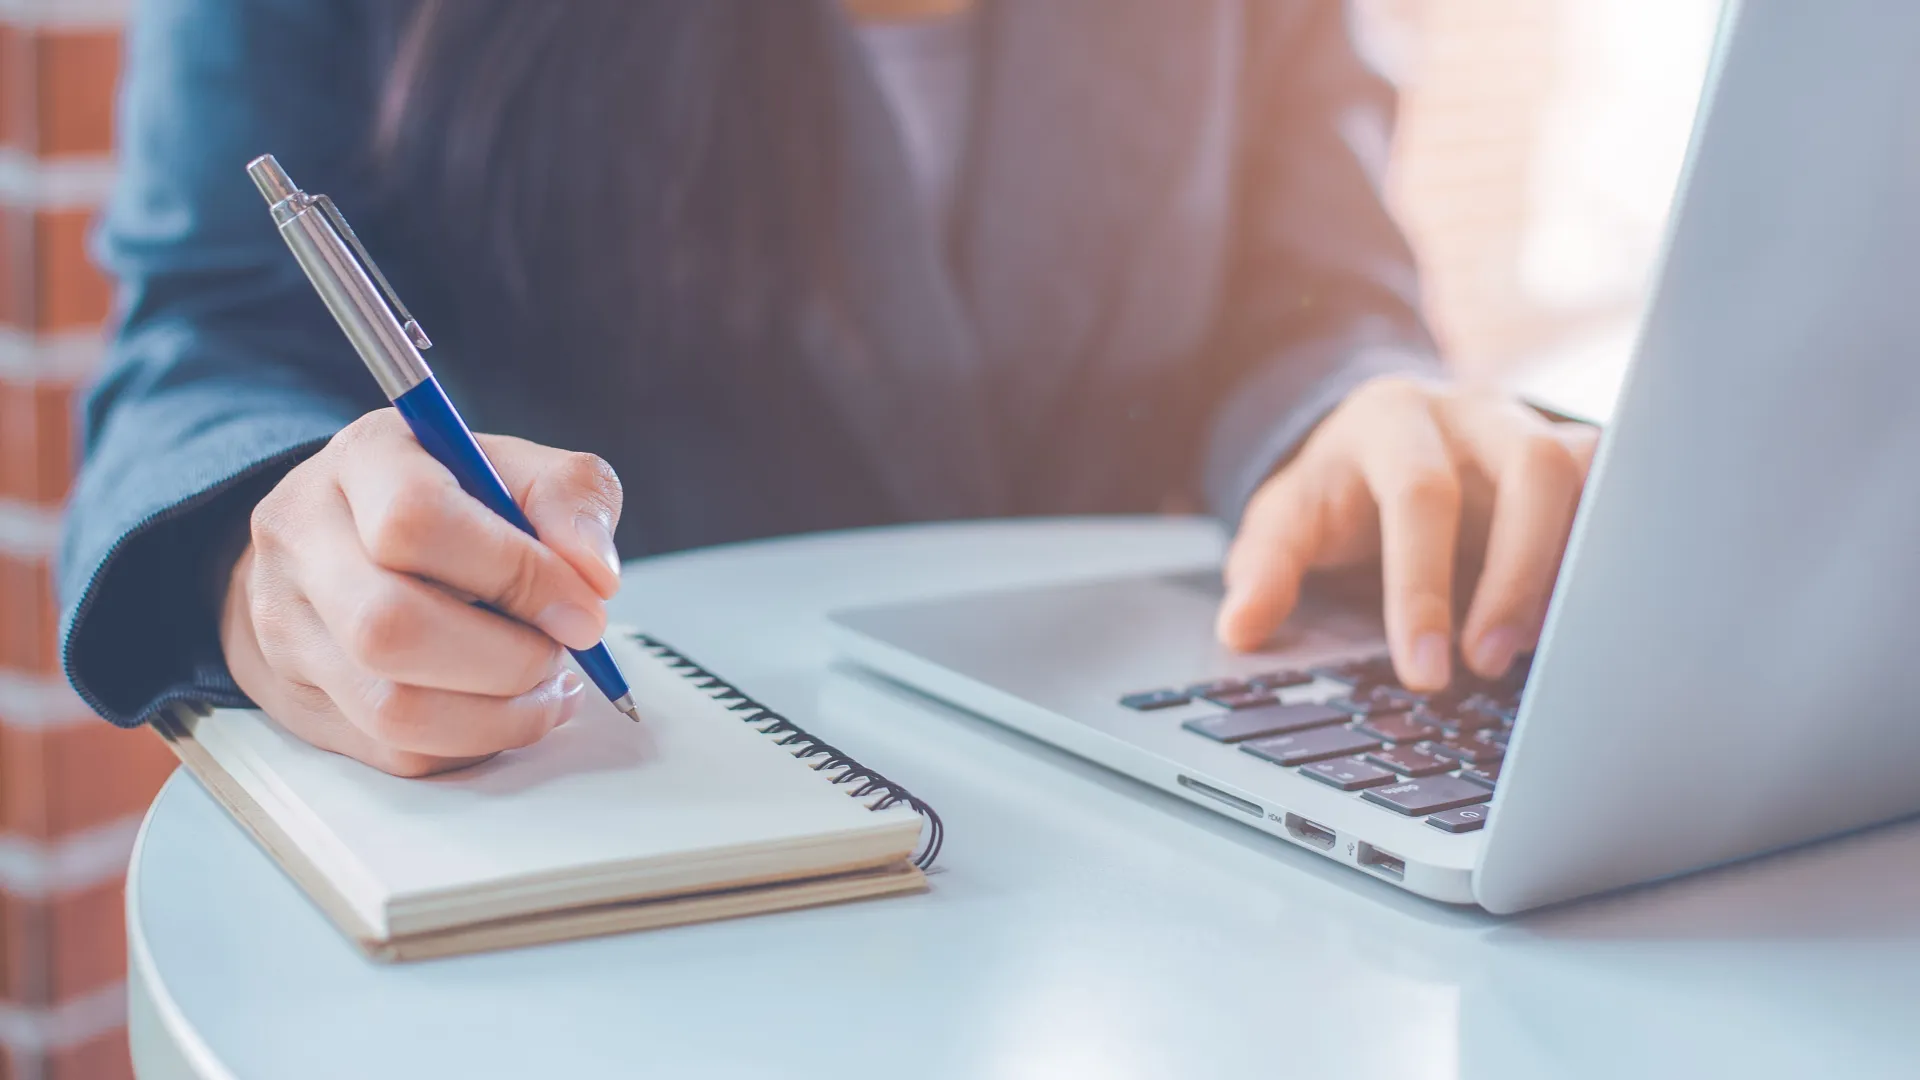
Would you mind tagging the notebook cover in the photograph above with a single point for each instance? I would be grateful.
(892, 878)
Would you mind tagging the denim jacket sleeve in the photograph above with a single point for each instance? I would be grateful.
(224, 369)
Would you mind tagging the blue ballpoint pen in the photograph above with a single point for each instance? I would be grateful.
(389, 341)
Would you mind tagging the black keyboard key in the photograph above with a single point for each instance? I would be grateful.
(1394, 697)
(1214, 686)
(1427, 795)
(1243, 699)
(1398, 728)
(1460, 819)
(1149, 700)
(1267, 720)
(1352, 707)
(1480, 702)
(1485, 775)
(1302, 747)
(1411, 761)
(1349, 774)
(1374, 702)
(1463, 723)
(1467, 751)
(1373, 671)
(1279, 680)
(1501, 710)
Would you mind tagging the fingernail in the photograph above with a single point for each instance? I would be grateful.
(1430, 660)
(570, 625)
(1230, 602)
(572, 693)
(1494, 653)
(599, 540)
(1229, 613)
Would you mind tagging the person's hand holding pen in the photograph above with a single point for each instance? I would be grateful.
(348, 615)
(1420, 478)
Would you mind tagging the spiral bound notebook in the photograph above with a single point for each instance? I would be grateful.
(713, 807)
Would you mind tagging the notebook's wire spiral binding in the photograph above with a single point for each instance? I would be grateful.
(875, 790)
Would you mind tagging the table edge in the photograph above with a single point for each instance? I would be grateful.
(141, 968)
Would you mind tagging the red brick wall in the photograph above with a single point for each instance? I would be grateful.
(71, 788)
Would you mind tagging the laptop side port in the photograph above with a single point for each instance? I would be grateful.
(1243, 805)
(1311, 833)
(1384, 863)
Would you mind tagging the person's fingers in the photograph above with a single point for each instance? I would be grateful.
(1537, 470)
(395, 626)
(268, 663)
(1582, 440)
(573, 500)
(1280, 537)
(311, 716)
(411, 517)
(1411, 473)
(420, 720)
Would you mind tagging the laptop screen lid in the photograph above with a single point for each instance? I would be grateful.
(1732, 658)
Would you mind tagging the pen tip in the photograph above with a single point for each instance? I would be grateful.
(625, 704)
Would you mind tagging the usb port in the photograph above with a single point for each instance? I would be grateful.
(1384, 863)
(1308, 832)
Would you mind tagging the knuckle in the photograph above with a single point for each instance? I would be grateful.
(521, 590)
(308, 698)
(1395, 390)
(591, 476)
(1548, 458)
(1428, 489)
(374, 425)
(267, 524)
(394, 714)
(385, 622)
(400, 535)
(538, 664)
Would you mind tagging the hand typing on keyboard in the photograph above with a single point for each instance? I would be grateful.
(1409, 475)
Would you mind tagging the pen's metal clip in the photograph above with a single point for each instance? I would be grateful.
(407, 321)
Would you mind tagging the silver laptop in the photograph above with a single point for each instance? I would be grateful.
(1731, 662)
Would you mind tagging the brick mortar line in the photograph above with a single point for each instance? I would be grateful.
(65, 356)
(64, 14)
(44, 869)
(60, 183)
(40, 703)
(28, 531)
(68, 1024)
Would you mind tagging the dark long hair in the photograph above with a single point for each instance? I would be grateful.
(546, 120)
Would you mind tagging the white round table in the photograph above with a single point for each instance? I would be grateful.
(1081, 924)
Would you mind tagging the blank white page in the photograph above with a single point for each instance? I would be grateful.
(600, 792)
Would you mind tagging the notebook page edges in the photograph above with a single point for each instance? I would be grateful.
(601, 809)
(231, 738)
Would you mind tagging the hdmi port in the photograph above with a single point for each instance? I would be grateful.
(1308, 832)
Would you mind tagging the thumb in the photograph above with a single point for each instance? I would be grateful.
(573, 500)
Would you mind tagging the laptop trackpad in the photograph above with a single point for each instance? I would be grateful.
(1105, 638)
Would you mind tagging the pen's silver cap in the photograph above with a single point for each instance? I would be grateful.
(272, 180)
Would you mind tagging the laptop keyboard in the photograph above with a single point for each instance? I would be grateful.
(1435, 756)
